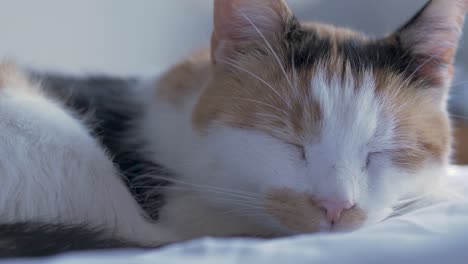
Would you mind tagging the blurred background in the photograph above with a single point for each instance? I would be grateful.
(144, 37)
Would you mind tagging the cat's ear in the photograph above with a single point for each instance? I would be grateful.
(431, 38)
(240, 24)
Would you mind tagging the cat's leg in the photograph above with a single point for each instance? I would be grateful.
(52, 170)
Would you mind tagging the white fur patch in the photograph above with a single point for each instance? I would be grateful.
(53, 171)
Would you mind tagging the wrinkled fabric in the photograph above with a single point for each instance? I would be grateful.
(434, 234)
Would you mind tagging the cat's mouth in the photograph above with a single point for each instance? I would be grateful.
(296, 212)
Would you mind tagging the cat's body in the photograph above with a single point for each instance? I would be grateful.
(283, 128)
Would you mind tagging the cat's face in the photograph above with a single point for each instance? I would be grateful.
(325, 128)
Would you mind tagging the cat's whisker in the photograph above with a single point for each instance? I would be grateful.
(238, 211)
(295, 92)
(270, 116)
(253, 101)
(244, 212)
(221, 194)
(242, 203)
(435, 56)
(403, 206)
(238, 192)
(259, 79)
(186, 189)
(459, 117)
(156, 175)
(253, 204)
(405, 54)
(280, 64)
(460, 84)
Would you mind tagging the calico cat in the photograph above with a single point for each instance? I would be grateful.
(281, 128)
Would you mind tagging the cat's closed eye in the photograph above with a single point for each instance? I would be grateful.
(300, 149)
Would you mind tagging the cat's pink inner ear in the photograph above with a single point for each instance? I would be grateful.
(436, 30)
(238, 23)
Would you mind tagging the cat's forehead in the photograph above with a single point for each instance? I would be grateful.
(312, 45)
(280, 93)
(329, 31)
(273, 89)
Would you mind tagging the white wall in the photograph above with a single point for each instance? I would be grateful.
(144, 36)
(116, 36)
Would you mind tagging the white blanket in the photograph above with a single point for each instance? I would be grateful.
(436, 234)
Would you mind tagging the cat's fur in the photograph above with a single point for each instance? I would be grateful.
(283, 128)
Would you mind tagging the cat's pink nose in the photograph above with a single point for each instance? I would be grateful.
(334, 209)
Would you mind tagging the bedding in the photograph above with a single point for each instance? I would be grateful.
(433, 234)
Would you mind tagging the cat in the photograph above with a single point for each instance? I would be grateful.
(281, 128)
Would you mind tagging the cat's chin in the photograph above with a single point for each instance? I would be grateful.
(324, 228)
(280, 231)
(343, 229)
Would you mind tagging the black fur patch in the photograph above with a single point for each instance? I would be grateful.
(376, 54)
(108, 106)
(306, 49)
(38, 240)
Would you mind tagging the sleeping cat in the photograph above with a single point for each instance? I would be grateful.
(281, 128)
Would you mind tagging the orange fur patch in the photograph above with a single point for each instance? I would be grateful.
(261, 98)
(422, 127)
(185, 79)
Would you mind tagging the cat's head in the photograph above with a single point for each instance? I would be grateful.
(324, 127)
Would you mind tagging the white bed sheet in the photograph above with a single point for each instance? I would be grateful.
(436, 234)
